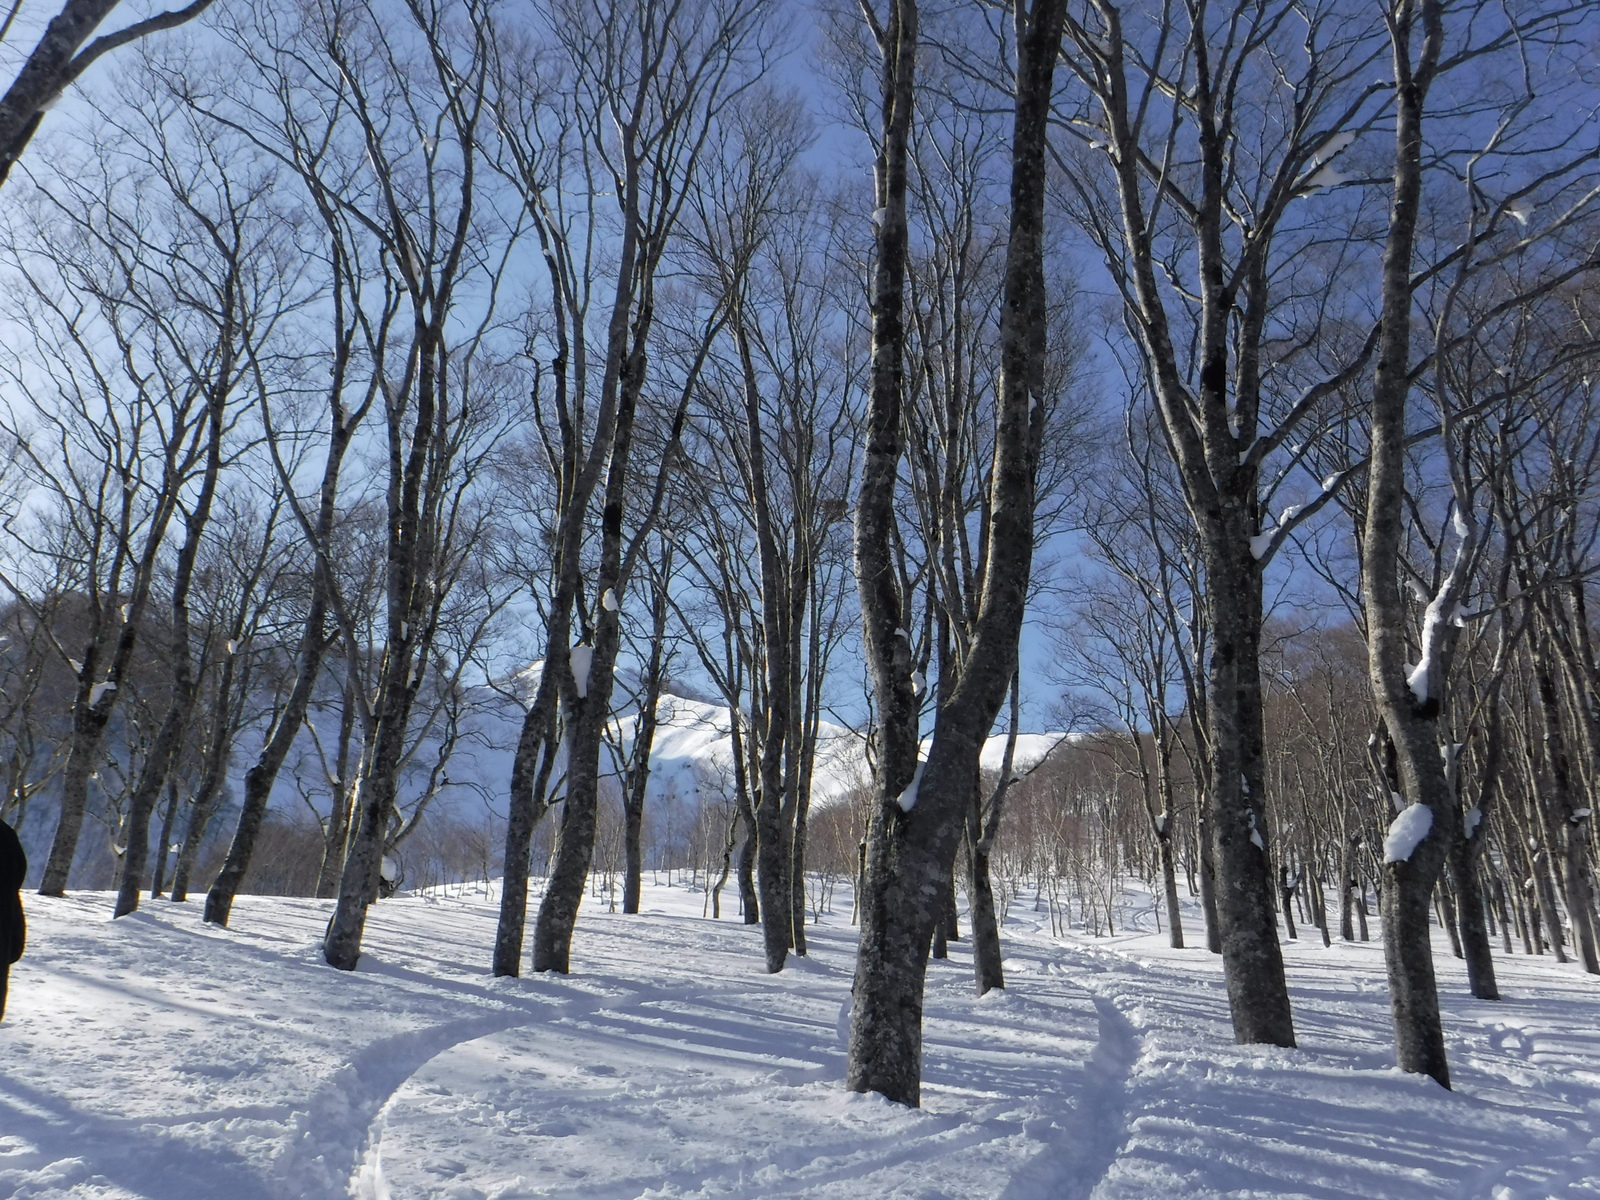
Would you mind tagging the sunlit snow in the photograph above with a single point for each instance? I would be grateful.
(158, 1057)
(1406, 831)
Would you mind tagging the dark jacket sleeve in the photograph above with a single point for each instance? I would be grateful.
(13, 870)
(13, 862)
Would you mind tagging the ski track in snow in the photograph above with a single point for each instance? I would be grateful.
(155, 1057)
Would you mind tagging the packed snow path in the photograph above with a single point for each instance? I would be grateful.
(155, 1057)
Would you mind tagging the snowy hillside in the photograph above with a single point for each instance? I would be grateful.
(153, 1057)
(692, 752)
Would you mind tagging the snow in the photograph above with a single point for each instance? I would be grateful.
(1420, 678)
(919, 683)
(608, 600)
(1031, 750)
(581, 657)
(100, 689)
(1406, 832)
(157, 1057)
(692, 751)
(1260, 544)
(1521, 210)
(907, 800)
(1325, 177)
(1337, 144)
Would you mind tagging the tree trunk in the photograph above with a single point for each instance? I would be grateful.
(202, 809)
(749, 904)
(88, 728)
(1208, 886)
(1319, 907)
(258, 780)
(1347, 884)
(1408, 700)
(531, 767)
(638, 780)
(169, 818)
(589, 704)
(1286, 889)
(915, 826)
(1413, 990)
(152, 780)
(336, 837)
(797, 872)
(558, 912)
(986, 954)
(1565, 829)
(1169, 885)
(727, 865)
(1466, 851)
(1470, 918)
(1252, 963)
(1445, 906)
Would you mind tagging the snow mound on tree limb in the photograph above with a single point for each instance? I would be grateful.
(1406, 832)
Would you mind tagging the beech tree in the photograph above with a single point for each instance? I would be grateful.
(644, 90)
(158, 313)
(60, 58)
(918, 812)
(1409, 692)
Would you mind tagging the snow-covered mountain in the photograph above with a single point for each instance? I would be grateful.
(692, 753)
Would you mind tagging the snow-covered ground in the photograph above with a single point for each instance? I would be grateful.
(154, 1057)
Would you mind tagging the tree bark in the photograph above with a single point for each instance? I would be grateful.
(913, 836)
(1407, 701)
(638, 780)
(258, 780)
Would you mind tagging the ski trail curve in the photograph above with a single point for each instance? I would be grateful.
(1083, 1152)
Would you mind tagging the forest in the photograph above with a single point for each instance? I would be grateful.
(411, 409)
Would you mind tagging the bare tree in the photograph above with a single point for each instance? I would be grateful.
(917, 819)
(1409, 692)
(173, 292)
(60, 58)
(645, 89)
